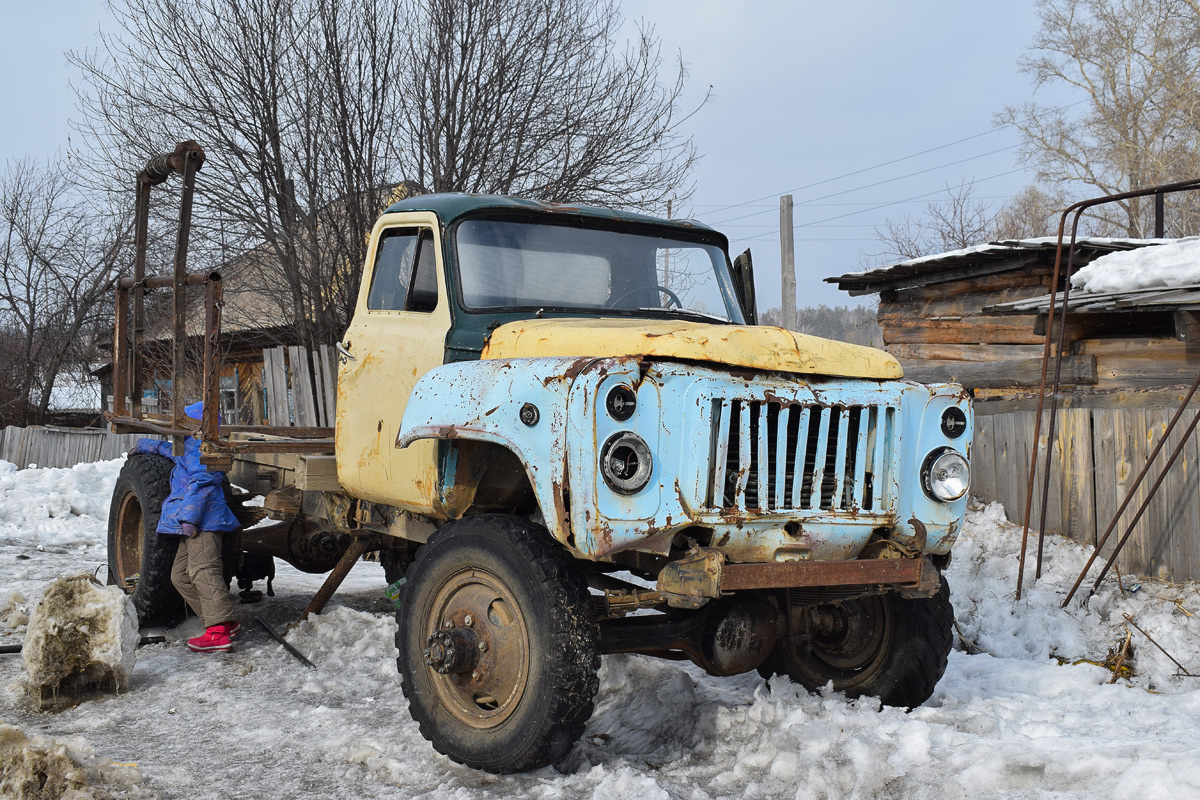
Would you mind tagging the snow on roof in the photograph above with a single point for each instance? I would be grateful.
(1170, 264)
(872, 280)
(75, 393)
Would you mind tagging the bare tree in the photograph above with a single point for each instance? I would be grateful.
(292, 103)
(314, 111)
(962, 220)
(957, 221)
(1136, 66)
(541, 103)
(56, 269)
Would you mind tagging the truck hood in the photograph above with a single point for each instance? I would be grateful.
(749, 346)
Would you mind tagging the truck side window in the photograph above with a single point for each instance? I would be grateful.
(393, 270)
(423, 296)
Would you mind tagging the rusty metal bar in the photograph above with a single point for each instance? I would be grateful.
(354, 552)
(1078, 208)
(315, 446)
(294, 652)
(168, 281)
(120, 381)
(211, 424)
(1160, 214)
(1137, 482)
(140, 238)
(736, 577)
(281, 430)
(1062, 338)
(179, 297)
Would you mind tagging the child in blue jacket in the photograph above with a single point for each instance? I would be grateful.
(197, 512)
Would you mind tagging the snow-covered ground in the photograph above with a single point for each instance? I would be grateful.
(1018, 718)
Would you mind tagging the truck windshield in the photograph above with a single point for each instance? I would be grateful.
(504, 264)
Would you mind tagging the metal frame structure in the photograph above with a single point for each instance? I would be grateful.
(217, 446)
(1159, 193)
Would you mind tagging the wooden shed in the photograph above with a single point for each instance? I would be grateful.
(978, 317)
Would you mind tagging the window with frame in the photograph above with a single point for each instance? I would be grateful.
(405, 273)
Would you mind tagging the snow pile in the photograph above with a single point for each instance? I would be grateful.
(41, 768)
(81, 636)
(982, 578)
(62, 507)
(1158, 267)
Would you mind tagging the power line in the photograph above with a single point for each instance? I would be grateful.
(814, 223)
(881, 164)
(878, 183)
(864, 169)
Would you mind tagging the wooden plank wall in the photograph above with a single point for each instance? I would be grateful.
(1098, 453)
(301, 386)
(62, 447)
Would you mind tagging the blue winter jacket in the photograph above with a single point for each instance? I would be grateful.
(196, 494)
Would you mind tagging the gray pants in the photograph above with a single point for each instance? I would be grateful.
(197, 576)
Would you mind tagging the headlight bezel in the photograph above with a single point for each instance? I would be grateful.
(930, 465)
(637, 446)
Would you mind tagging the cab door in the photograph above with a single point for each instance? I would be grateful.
(397, 335)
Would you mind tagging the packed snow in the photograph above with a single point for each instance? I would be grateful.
(1025, 710)
(1163, 266)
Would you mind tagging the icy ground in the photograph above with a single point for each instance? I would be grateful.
(1012, 721)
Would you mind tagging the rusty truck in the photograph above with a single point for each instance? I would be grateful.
(566, 435)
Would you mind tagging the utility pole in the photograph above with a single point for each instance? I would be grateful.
(787, 261)
(666, 278)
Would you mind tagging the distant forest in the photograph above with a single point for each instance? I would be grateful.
(855, 325)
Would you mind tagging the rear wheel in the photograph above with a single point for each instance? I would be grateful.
(497, 644)
(139, 560)
(881, 645)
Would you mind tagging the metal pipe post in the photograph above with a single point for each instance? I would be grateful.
(212, 373)
(120, 379)
(140, 237)
(179, 299)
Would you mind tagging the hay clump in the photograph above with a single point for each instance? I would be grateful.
(82, 637)
(40, 768)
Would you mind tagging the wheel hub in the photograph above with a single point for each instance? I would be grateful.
(477, 648)
(452, 651)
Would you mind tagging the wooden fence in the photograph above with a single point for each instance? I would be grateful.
(301, 386)
(1098, 452)
(61, 447)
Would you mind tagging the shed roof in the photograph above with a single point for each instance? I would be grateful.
(969, 262)
(1179, 298)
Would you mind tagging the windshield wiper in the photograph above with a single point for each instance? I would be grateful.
(685, 312)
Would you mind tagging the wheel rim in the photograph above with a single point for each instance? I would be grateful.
(486, 694)
(848, 642)
(129, 537)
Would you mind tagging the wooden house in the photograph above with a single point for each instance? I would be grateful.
(978, 316)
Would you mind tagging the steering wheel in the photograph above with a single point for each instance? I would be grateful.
(671, 296)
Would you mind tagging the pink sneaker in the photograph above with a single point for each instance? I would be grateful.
(234, 628)
(214, 639)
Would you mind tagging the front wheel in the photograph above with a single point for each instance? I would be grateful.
(881, 645)
(497, 644)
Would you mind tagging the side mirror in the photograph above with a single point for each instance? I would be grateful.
(743, 281)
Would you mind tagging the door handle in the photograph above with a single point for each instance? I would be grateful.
(344, 351)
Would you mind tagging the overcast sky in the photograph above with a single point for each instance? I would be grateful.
(805, 93)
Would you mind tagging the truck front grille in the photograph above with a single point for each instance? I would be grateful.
(777, 456)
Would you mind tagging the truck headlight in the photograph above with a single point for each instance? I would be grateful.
(625, 462)
(946, 475)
